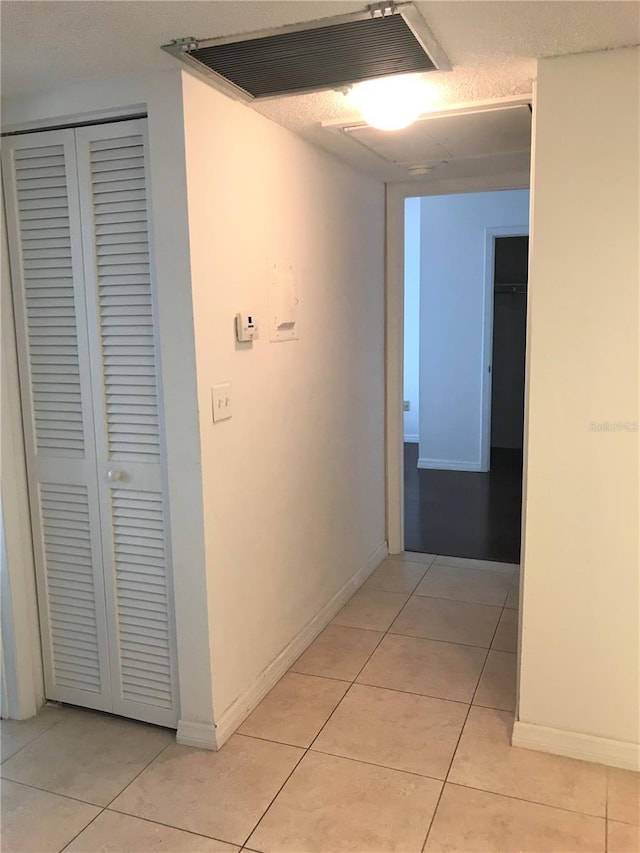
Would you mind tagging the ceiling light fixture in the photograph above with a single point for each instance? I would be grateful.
(392, 103)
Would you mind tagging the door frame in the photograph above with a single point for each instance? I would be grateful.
(490, 235)
(22, 670)
(396, 193)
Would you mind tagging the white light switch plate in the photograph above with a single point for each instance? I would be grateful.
(221, 401)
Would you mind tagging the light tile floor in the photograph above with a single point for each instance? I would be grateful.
(390, 733)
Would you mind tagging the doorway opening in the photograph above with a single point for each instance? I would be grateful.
(464, 355)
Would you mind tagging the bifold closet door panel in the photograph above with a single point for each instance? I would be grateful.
(43, 221)
(113, 179)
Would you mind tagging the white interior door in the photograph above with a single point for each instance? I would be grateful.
(112, 172)
(79, 242)
(43, 217)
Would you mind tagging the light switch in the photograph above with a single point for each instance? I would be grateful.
(221, 401)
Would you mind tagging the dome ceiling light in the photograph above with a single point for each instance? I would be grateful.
(393, 103)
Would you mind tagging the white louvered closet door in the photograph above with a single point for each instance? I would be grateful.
(112, 172)
(79, 242)
(43, 218)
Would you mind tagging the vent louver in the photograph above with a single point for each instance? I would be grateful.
(314, 56)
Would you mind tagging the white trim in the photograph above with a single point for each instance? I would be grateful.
(22, 675)
(201, 735)
(453, 186)
(240, 709)
(77, 119)
(411, 439)
(428, 463)
(394, 368)
(486, 378)
(601, 750)
(527, 387)
(459, 109)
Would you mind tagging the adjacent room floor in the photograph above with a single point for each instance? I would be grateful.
(463, 513)
(390, 733)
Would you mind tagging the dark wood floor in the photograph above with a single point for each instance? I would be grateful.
(464, 514)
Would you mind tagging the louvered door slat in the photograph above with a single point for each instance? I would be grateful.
(44, 237)
(80, 254)
(142, 607)
(43, 218)
(71, 604)
(118, 271)
(31, 203)
(123, 329)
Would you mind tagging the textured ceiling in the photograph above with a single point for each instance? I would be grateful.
(493, 46)
(449, 146)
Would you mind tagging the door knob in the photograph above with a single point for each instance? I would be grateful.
(113, 476)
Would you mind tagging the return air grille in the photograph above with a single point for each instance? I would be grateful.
(313, 57)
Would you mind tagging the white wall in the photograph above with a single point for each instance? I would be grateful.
(160, 95)
(22, 678)
(292, 488)
(412, 318)
(580, 667)
(294, 481)
(452, 311)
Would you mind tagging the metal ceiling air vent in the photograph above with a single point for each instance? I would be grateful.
(326, 54)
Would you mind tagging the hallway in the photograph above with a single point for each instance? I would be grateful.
(390, 733)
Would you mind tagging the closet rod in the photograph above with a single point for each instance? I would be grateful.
(73, 124)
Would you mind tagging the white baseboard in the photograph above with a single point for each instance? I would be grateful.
(411, 439)
(615, 753)
(448, 464)
(202, 735)
(237, 712)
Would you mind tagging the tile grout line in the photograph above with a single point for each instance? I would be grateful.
(375, 764)
(396, 617)
(77, 799)
(104, 808)
(400, 558)
(495, 571)
(412, 692)
(444, 781)
(308, 748)
(353, 681)
(171, 826)
(93, 819)
(384, 633)
(308, 675)
(449, 642)
(277, 793)
(453, 754)
(131, 781)
(53, 793)
(458, 600)
(33, 740)
(433, 639)
(157, 755)
(434, 778)
(531, 802)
